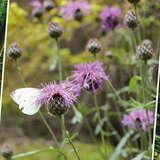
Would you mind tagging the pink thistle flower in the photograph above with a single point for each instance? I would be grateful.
(90, 76)
(139, 119)
(75, 10)
(110, 18)
(58, 97)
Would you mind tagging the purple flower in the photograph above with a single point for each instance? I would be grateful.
(65, 90)
(90, 76)
(36, 4)
(110, 18)
(75, 10)
(139, 119)
(37, 8)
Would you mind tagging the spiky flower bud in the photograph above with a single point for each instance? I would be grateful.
(94, 46)
(14, 51)
(56, 105)
(54, 30)
(6, 152)
(48, 5)
(145, 50)
(133, 1)
(78, 15)
(130, 19)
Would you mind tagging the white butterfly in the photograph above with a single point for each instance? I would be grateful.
(27, 98)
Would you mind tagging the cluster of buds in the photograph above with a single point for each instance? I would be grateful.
(94, 46)
(145, 50)
(130, 19)
(14, 51)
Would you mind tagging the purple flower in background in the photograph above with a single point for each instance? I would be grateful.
(110, 18)
(58, 97)
(90, 76)
(37, 8)
(139, 119)
(75, 10)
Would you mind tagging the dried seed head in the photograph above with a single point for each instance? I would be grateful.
(130, 19)
(57, 106)
(133, 1)
(54, 30)
(78, 15)
(14, 51)
(145, 50)
(6, 152)
(94, 46)
(48, 5)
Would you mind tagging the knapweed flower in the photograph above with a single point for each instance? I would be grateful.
(14, 51)
(48, 5)
(37, 8)
(89, 76)
(139, 119)
(54, 30)
(110, 18)
(145, 50)
(94, 46)
(57, 97)
(130, 19)
(75, 10)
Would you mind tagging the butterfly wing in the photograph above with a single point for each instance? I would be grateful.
(27, 98)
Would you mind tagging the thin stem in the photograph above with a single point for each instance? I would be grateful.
(59, 62)
(60, 79)
(49, 128)
(18, 68)
(63, 128)
(74, 148)
(100, 122)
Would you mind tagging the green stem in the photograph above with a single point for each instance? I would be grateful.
(18, 68)
(49, 128)
(59, 62)
(100, 123)
(74, 148)
(60, 80)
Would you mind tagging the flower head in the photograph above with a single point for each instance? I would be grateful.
(90, 76)
(75, 10)
(58, 97)
(37, 8)
(139, 119)
(110, 18)
(14, 51)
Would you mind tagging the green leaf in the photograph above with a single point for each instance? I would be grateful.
(134, 84)
(30, 153)
(78, 117)
(119, 149)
